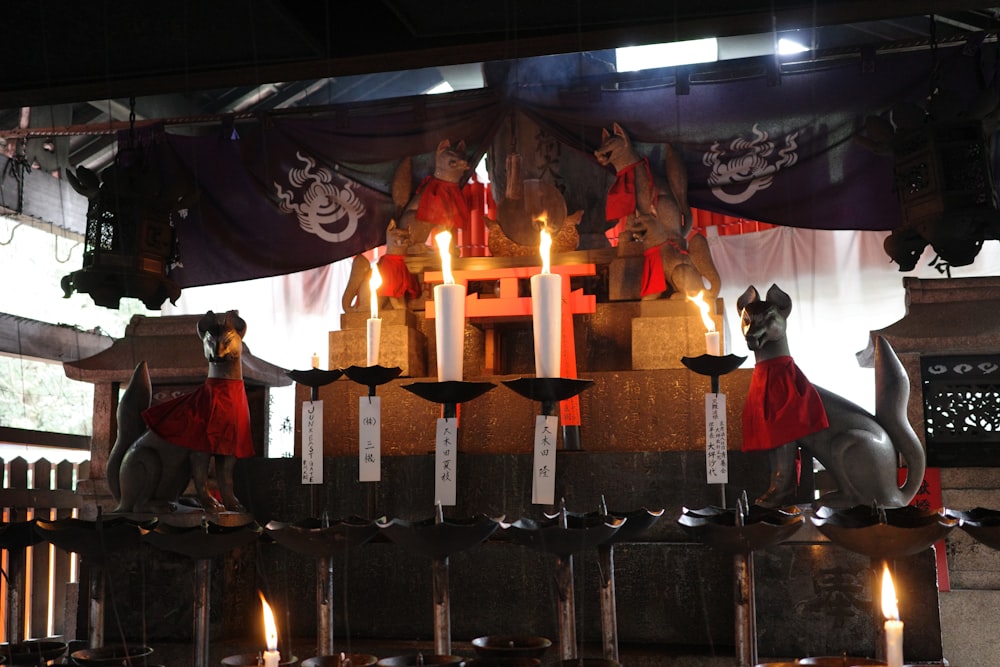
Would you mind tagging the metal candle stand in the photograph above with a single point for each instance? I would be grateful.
(882, 534)
(740, 532)
(372, 376)
(636, 523)
(314, 378)
(560, 536)
(714, 366)
(322, 539)
(15, 537)
(550, 391)
(95, 541)
(449, 393)
(201, 543)
(319, 537)
(438, 538)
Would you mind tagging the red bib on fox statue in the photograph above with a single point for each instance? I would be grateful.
(442, 203)
(214, 418)
(397, 281)
(781, 407)
(621, 201)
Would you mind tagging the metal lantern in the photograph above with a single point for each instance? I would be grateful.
(130, 243)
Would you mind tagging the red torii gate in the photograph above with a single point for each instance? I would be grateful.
(509, 305)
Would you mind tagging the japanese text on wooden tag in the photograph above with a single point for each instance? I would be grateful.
(716, 450)
(370, 439)
(312, 442)
(543, 478)
(445, 456)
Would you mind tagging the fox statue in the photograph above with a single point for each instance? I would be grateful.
(785, 412)
(160, 449)
(657, 214)
(438, 202)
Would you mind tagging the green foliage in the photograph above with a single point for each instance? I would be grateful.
(35, 394)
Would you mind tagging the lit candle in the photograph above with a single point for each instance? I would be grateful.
(712, 344)
(546, 313)
(449, 317)
(315, 360)
(893, 626)
(271, 655)
(374, 329)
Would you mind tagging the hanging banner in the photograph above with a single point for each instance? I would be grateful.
(543, 478)
(312, 442)
(445, 455)
(370, 439)
(716, 445)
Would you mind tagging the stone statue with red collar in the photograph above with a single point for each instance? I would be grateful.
(438, 202)
(655, 211)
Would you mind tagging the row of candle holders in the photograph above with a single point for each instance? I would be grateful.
(869, 530)
(879, 533)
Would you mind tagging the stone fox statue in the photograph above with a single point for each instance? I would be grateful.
(159, 449)
(784, 412)
(438, 202)
(657, 214)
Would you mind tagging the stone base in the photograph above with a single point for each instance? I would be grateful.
(625, 277)
(403, 344)
(668, 329)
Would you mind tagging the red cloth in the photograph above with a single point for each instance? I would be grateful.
(654, 281)
(442, 203)
(397, 280)
(782, 406)
(621, 196)
(213, 418)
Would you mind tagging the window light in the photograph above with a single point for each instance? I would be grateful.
(650, 56)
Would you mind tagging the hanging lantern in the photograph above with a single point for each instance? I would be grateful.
(130, 243)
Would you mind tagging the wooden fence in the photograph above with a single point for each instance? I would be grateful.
(38, 590)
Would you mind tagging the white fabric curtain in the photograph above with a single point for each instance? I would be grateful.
(842, 286)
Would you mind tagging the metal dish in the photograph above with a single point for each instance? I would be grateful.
(510, 646)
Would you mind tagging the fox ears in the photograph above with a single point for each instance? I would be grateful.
(617, 129)
(445, 145)
(212, 323)
(775, 297)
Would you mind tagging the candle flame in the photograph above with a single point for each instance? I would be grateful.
(270, 628)
(545, 250)
(443, 240)
(889, 608)
(374, 282)
(699, 300)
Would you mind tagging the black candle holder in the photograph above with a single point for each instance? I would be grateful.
(714, 366)
(372, 376)
(549, 391)
(314, 378)
(449, 393)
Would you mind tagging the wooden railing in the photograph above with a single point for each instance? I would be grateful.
(38, 592)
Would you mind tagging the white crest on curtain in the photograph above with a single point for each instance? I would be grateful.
(747, 165)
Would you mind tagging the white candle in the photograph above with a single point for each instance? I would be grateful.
(374, 328)
(271, 656)
(893, 626)
(712, 343)
(315, 360)
(449, 317)
(546, 315)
